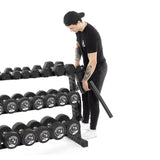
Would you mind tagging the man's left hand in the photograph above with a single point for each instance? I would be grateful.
(85, 85)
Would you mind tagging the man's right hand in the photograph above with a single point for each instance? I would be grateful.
(77, 63)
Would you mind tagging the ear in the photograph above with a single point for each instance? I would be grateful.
(78, 22)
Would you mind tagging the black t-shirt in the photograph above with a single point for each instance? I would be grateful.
(90, 41)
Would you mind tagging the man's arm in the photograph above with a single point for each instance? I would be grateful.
(90, 69)
(77, 55)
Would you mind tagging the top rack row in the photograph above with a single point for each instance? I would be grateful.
(49, 69)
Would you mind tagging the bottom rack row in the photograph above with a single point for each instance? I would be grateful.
(34, 131)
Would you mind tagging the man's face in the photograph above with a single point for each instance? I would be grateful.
(74, 28)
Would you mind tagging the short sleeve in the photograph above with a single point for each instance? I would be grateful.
(92, 44)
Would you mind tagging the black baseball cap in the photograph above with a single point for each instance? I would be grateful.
(72, 17)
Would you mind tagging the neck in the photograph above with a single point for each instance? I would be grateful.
(84, 24)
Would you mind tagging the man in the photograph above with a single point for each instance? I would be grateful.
(88, 46)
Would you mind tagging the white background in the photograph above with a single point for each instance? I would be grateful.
(32, 32)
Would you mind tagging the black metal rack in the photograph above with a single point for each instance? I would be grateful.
(76, 115)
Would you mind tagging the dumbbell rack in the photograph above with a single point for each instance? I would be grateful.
(76, 114)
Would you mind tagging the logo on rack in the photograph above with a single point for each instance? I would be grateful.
(83, 44)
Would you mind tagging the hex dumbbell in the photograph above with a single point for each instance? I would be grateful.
(9, 104)
(42, 132)
(49, 99)
(48, 65)
(43, 72)
(23, 103)
(69, 69)
(61, 98)
(28, 136)
(4, 76)
(13, 74)
(57, 129)
(57, 68)
(24, 73)
(36, 101)
(33, 73)
(8, 138)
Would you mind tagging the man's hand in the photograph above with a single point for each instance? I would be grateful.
(85, 85)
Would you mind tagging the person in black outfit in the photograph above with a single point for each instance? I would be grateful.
(89, 46)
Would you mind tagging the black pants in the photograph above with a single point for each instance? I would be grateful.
(90, 102)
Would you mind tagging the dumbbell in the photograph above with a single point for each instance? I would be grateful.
(9, 138)
(57, 129)
(62, 118)
(28, 136)
(48, 65)
(43, 72)
(23, 103)
(72, 126)
(49, 99)
(13, 74)
(61, 98)
(42, 132)
(4, 76)
(36, 101)
(57, 68)
(69, 69)
(24, 73)
(73, 96)
(33, 73)
(9, 104)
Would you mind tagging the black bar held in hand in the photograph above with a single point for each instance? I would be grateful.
(79, 76)
(96, 92)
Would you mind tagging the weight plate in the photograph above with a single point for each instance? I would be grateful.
(24, 104)
(36, 67)
(26, 68)
(10, 106)
(48, 64)
(73, 128)
(4, 128)
(46, 120)
(17, 96)
(28, 137)
(29, 94)
(41, 93)
(62, 118)
(64, 90)
(52, 91)
(62, 99)
(37, 102)
(33, 123)
(8, 70)
(11, 140)
(73, 97)
(43, 134)
(4, 97)
(18, 127)
(58, 130)
(50, 100)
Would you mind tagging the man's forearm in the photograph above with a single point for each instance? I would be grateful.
(77, 56)
(89, 71)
